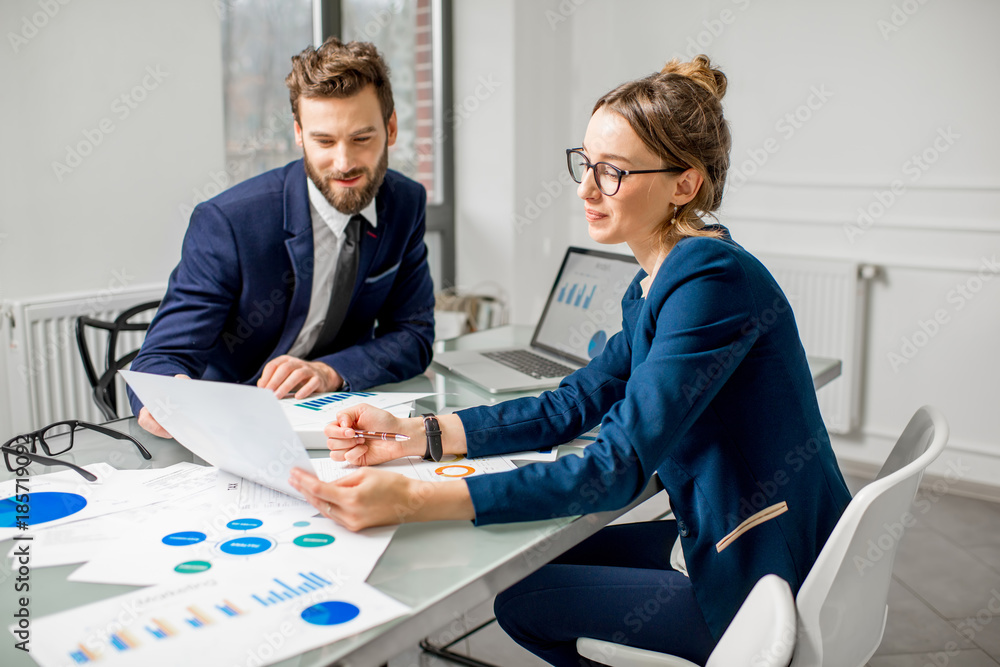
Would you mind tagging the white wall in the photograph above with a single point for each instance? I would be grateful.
(884, 86)
(111, 120)
(111, 217)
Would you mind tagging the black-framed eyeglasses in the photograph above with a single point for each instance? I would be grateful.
(607, 176)
(57, 439)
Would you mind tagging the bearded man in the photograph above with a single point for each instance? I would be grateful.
(312, 277)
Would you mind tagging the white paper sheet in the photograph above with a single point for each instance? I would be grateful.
(80, 541)
(237, 428)
(214, 620)
(449, 468)
(181, 546)
(64, 497)
(311, 415)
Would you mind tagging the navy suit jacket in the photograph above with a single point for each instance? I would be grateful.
(241, 292)
(708, 386)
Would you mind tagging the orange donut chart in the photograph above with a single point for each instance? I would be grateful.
(466, 470)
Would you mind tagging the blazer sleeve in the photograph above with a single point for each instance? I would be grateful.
(404, 335)
(703, 329)
(556, 416)
(200, 293)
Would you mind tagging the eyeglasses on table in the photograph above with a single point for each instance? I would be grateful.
(56, 439)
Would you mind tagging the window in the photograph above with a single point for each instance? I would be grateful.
(261, 36)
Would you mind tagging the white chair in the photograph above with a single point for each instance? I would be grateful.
(762, 634)
(842, 602)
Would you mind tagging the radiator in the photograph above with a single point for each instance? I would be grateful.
(829, 300)
(45, 377)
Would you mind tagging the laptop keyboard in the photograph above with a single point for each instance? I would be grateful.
(529, 363)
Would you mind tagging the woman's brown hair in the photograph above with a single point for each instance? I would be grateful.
(677, 113)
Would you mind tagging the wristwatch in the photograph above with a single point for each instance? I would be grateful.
(433, 431)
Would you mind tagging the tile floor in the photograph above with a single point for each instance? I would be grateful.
(944, 602)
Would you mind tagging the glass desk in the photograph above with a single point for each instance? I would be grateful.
(440, 569)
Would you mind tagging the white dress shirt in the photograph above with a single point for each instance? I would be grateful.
(328, 225)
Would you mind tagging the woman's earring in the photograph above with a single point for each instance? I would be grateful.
(673, 221)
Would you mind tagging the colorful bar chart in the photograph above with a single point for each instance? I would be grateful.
(229, 609)
(318, 404)
(198, 618)
(160, 629)
(82, 656)
(123, 641)
(310, 582)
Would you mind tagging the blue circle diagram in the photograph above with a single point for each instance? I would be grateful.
(246, 546)
(244, 524)
(184, 538)
(42, 507)
(300, 524)
(330, 613)
(597, 343)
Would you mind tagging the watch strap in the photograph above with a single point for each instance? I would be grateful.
(433, 432)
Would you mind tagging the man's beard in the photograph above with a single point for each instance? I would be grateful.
(350, 201)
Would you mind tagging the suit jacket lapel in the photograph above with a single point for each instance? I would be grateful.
(298, 227)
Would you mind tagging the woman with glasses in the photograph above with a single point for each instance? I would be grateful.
(707, 385)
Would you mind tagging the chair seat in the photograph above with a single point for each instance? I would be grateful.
(617, 655)
(762, 634)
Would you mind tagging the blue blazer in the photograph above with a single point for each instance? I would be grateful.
(708, 386)
(241, 291)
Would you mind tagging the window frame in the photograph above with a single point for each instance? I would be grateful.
(440, 217)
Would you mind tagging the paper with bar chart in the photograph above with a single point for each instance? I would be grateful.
(178, 546)
(214, 620)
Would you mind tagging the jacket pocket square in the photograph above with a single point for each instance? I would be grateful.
(374, 279)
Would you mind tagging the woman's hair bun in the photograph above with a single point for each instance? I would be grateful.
(701, 72)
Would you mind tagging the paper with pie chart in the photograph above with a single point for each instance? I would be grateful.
(182, 546)
(449, 468)
(54, 499)
(260, 618)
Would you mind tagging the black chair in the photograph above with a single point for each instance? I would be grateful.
(104, 384)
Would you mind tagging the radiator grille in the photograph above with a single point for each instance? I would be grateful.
(829, 301)
(45, 376)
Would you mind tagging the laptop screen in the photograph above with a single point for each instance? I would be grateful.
(584, 308)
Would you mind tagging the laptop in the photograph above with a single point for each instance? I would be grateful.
(582, 312)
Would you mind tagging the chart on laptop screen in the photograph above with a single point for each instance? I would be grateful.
(584, 309)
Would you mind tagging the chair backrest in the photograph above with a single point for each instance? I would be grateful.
(102, 376)
(842, 603)
(762, 634)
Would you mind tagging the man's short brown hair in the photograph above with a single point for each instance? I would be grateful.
(339, 70)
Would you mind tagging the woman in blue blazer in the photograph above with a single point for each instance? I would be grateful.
(707, 385)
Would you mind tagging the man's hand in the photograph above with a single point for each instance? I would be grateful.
(147, 422)
(146, 418)
(285, 374)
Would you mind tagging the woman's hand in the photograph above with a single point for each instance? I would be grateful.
(370, 497)
(346, 445)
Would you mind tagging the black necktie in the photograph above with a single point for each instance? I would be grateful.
(343, 287)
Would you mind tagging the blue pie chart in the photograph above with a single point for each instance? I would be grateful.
(597, 343)
(330, 613)
(43, 507)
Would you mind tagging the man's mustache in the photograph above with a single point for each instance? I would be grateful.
(346, 176)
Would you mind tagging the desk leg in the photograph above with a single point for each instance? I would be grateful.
(445, 652)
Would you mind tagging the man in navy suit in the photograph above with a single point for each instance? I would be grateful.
(311, 277)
